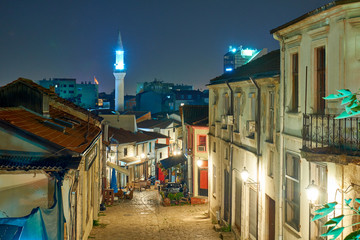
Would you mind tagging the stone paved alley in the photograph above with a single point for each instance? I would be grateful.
(144, 218)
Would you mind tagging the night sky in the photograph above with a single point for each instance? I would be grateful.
(173, 41)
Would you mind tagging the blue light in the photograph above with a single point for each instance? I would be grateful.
(119, 63)
(228, 69)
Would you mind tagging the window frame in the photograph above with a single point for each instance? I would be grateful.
(295, 206)
(294, 82)
(201, 143)
(271, 116)
(320, 75)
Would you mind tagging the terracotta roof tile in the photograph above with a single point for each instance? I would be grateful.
(72, 139)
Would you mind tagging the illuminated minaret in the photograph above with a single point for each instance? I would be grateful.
(119, 73)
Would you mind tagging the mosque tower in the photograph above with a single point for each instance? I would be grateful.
(119, 73)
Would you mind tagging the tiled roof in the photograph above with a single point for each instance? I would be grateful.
(76, 138)
(160, 145)
(265, 66)
(52, 95)
(26, 161)
(124, 136)
(155, 134)
(192, 114)
(152, 123)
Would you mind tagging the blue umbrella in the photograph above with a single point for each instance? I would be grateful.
(113, 184)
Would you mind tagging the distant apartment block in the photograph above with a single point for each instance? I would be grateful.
(160, 87)
(238, 56)
(84, 94)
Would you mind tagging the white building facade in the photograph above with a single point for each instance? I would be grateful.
(319, 55)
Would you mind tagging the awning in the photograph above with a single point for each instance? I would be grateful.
(173, 161)
(118, 168)
(129, 160)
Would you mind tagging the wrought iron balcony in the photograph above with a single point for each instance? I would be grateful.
(323, 134)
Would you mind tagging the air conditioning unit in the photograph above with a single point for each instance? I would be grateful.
(201, 148)
(250, 126)
(230, 119)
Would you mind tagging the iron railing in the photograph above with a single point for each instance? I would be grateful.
(323, 133)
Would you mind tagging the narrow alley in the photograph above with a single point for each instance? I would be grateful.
(144, 218)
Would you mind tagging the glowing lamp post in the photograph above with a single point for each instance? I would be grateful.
(312, 192)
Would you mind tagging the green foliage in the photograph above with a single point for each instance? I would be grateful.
(178, 196)
(352, 107)
(226, 228)
(332, 231)
(171, 196)
(162, 194)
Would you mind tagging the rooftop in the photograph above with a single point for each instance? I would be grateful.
(265, 66)
(14, 160)
(195, 114)
(153, 123)
(61, 128)
(314, 12)
(121, 136)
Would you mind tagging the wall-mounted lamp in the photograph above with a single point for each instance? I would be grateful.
(199, 163)
(244, 174)
(312, 191)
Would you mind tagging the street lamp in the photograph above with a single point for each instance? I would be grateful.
(312, 191)
(244, 174)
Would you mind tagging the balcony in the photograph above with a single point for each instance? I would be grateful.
(331, 140)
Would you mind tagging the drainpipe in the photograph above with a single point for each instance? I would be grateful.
(231, 149)
(282, 110)
(258, 131)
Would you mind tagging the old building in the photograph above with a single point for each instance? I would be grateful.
(50, 163)
(133, 150)
(82, 94)
(166, 126)
(319, 54)
(243, 109)
(195, 147)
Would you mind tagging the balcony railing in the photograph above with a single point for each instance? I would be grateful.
(324, 134)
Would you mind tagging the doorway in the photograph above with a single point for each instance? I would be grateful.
(270, 218)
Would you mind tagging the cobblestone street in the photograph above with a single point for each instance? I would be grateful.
(143, 218)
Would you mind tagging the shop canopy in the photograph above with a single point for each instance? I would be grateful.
(173, 161)
(118, 168)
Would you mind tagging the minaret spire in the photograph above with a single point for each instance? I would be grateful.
(120, 45)
(119, 74)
